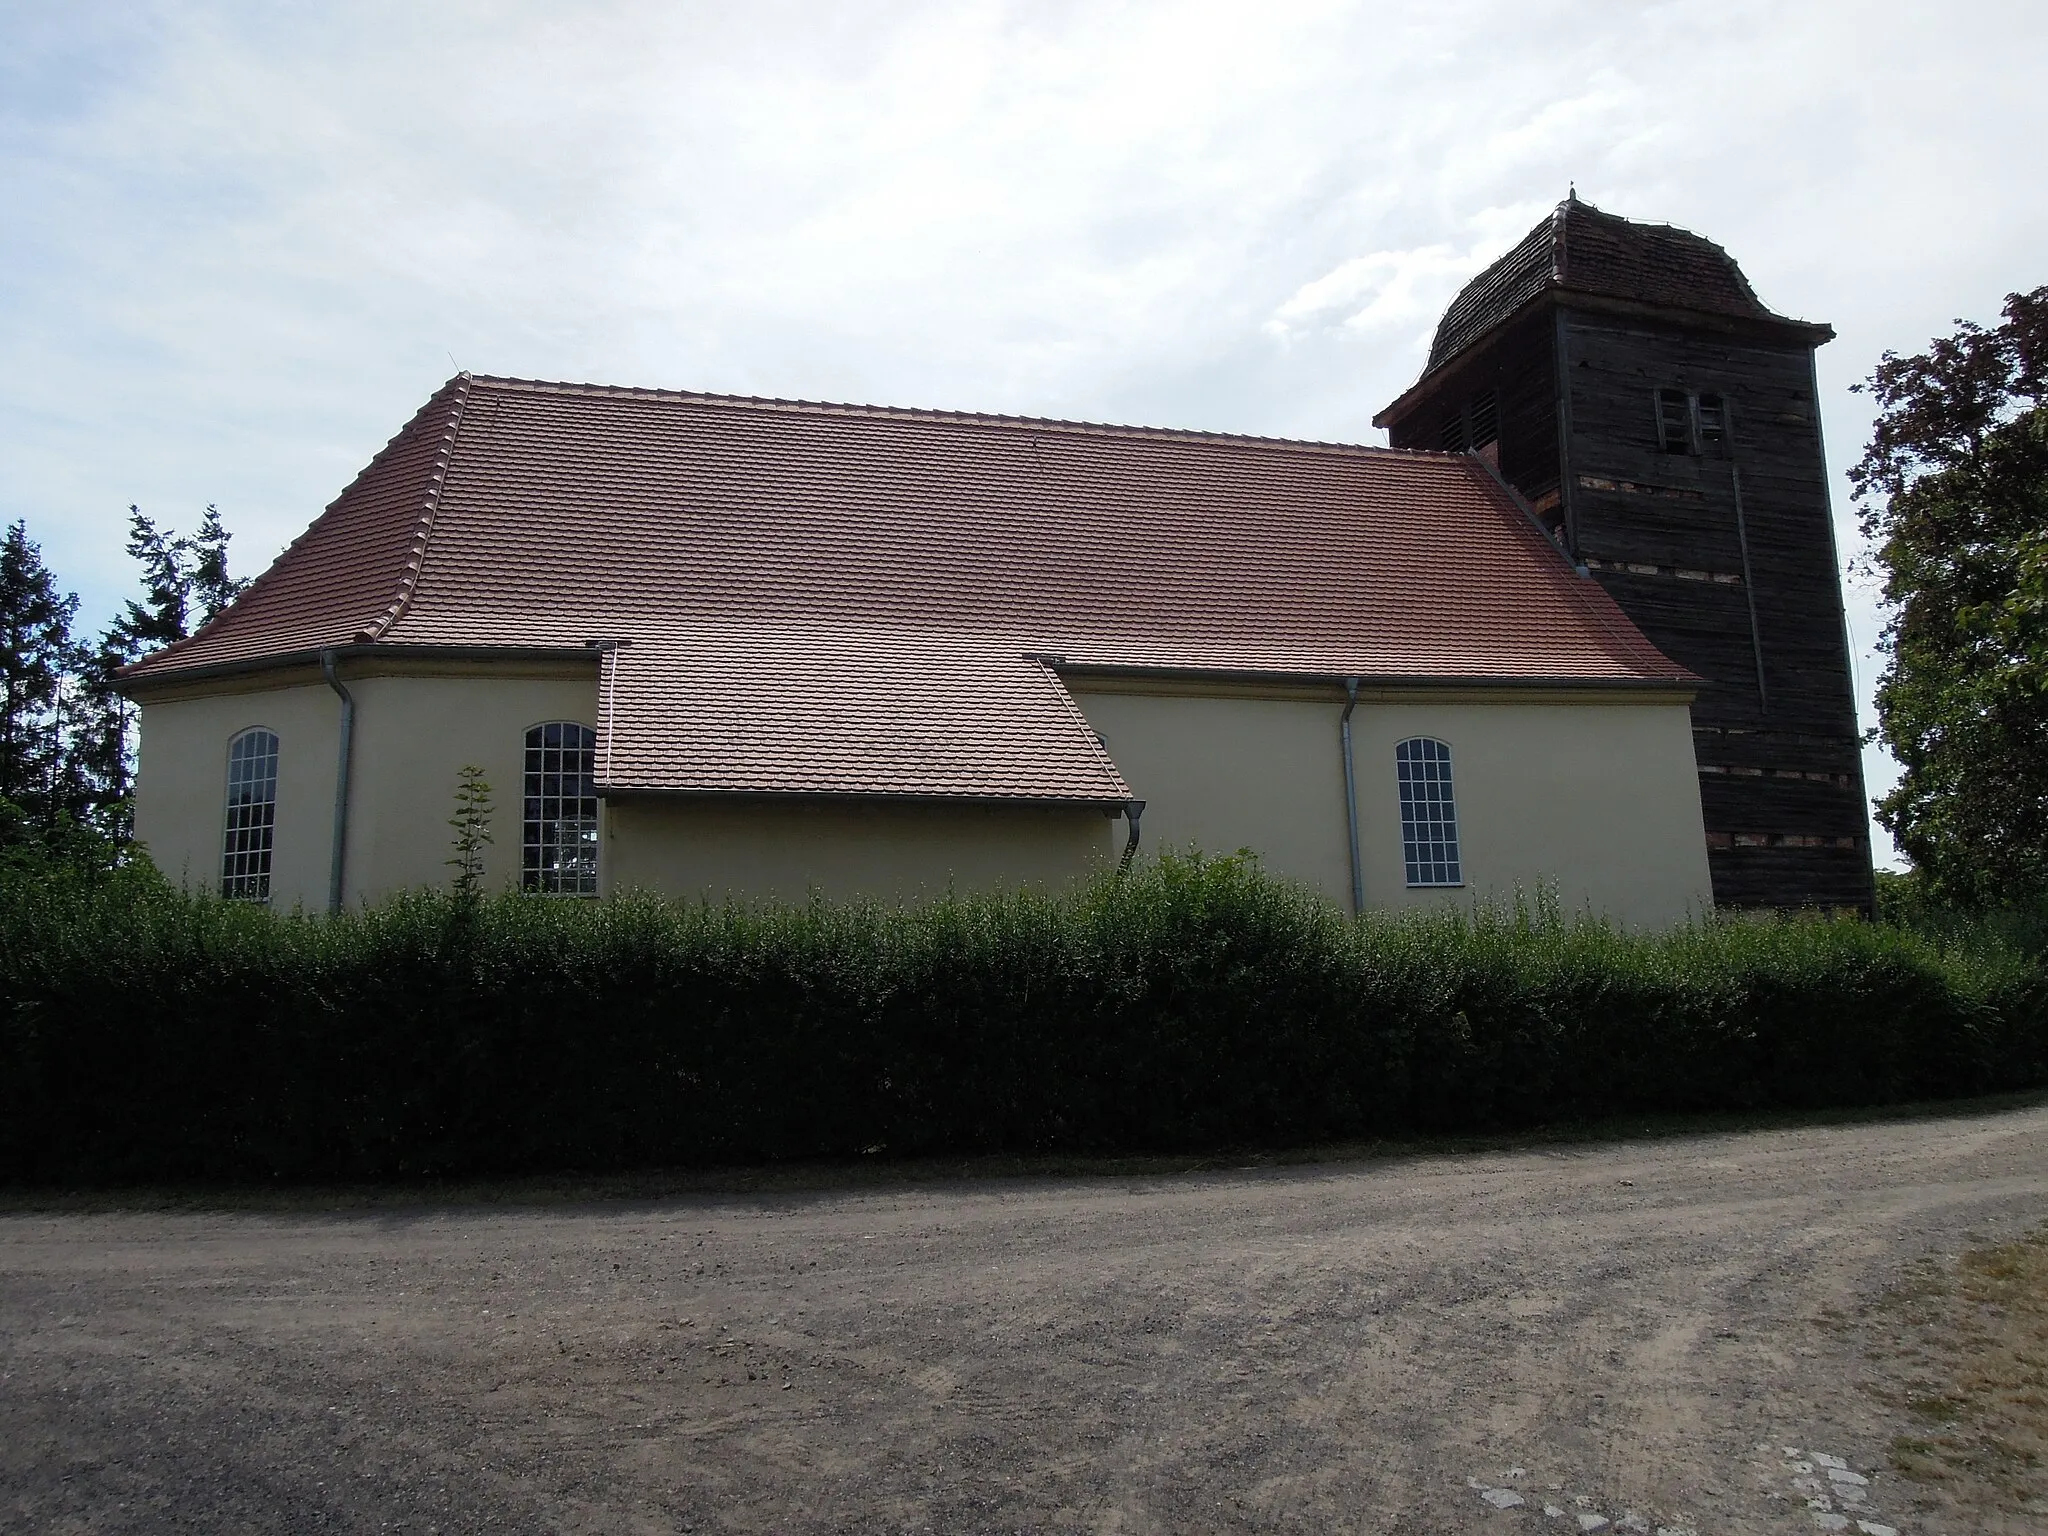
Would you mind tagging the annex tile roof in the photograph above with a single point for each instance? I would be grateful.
(1580, 249)
(791, 706)
(795, 597)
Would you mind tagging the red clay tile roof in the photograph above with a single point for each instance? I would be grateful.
(849, 599)
(1580, 249)
(345, 578)
(796, 707)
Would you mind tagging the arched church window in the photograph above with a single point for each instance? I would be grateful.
(559, 845)
(1429, 813)
(252, 816)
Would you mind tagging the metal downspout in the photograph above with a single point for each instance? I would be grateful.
(1351, 796)
(335, 866)
(1133, 810)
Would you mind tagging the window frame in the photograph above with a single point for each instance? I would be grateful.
(248, 850)
(544, 870)
(1482, 420)
(1677, 433)
(1416, 770)
(1703, 444)
(1475, 425)
(1687, 432)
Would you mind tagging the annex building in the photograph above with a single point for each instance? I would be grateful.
(720, 646)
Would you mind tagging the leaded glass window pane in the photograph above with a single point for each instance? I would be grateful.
(1429, 815)
(251, 818)
(559, 848)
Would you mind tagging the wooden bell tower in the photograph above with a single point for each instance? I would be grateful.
(1665, 426)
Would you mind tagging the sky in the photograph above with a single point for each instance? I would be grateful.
(240, 244)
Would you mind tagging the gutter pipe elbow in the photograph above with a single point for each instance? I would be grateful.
(1133, 811)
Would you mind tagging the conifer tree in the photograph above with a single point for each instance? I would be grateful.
(162, 615)
(185, 583)
(210, 587)
(37, 654)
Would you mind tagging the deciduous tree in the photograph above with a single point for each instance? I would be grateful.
(1954, 488)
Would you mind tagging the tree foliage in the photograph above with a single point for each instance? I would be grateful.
(185, 584)
(66, 734)
(37, 656)
(1954, 487)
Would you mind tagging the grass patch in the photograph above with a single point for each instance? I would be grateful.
(1943, 1410)
(1918, 1461)
(1973, 1334)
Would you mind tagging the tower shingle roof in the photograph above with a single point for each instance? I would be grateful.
(1580, 249)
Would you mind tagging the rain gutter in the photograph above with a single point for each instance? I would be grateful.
(1679, 681)
(244, 666)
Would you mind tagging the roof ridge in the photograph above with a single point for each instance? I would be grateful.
(444, 460)
(935, 414)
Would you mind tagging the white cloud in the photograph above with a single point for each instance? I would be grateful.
(1401, 290)
(1393, 288)
(242, 241)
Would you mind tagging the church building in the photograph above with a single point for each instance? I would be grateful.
(1665, 425)
(1570, 633)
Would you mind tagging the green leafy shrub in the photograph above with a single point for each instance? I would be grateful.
(148, 1035)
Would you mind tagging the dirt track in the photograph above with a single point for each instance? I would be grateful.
(1370, 1347)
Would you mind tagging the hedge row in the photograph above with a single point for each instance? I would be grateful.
(145, 1035)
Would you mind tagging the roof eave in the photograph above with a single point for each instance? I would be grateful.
(130, 683)
(1680, 681)
(1813, 333)
(618, 791)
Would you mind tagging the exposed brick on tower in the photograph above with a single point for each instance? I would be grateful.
(1665, 425)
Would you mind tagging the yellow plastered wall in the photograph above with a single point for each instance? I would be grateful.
(413, 736)
(182, 778)
(1598, 801)
(885, 850)
(1232, 771)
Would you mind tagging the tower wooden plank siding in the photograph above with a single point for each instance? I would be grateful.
(1664, 426)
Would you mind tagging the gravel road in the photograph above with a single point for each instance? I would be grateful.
(1668, 1334)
